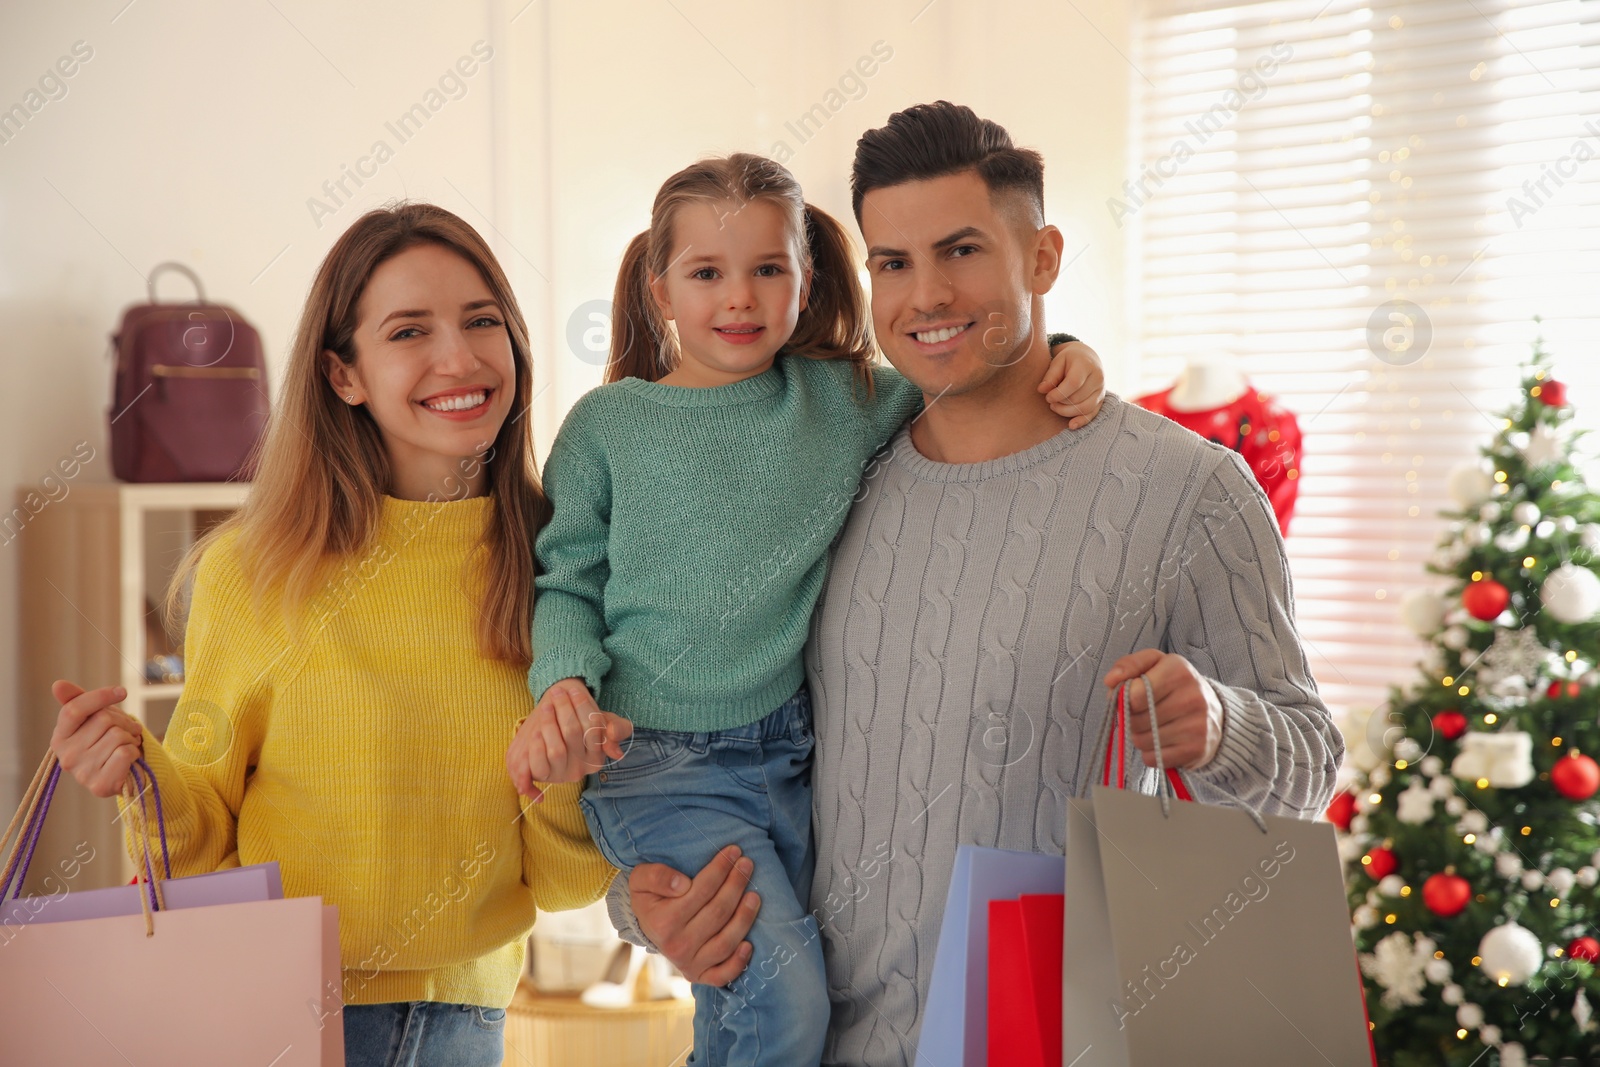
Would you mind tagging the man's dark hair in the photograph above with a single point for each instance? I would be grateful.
(933, 140)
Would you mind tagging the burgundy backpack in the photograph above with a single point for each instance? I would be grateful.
(189, 400)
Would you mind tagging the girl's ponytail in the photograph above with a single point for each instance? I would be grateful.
(834, 324)
(636, 328)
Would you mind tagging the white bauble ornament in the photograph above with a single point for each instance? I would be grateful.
(1358, 824)
(1437, 971)
(1407, 749)
(1364, 916)
(1526, 513)
(1431, 766)
(1451, 994)
(1469, 1016)
(1571, 593)
(1532, 880)
(1422, 610)
(1490, 512)
(1512, 540)
(1512, 1054)
(1589, 536)
(1560, 881)
(1565, 523)
(1544, 529)
(1509, 952)
(1455, 805)
(1588, 876)
(1443, 786)
(1490, 842)
(1473, 822)
(1508, 865)
(1475, 535)
(1456, 637)
(1505, 760)
(1489, 1035)
(1390, 885)
(1469, 485)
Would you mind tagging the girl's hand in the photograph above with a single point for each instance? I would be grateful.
(1075, 383)
(95, 742)
(565, 738)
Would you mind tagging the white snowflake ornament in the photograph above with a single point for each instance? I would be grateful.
(1543, 448)
(1396, 965)
(1414, 805)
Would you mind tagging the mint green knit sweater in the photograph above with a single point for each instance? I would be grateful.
(691, 532)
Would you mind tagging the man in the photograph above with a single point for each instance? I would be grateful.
(998, 578)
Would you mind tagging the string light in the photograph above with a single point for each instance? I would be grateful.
(1463, 691)
(1491, 718)
(1405, 891)
(1390, 918)
(1477, 576)
(1401, 764)
(1499, 476)
(1469, 839)
(1448, 682)
(1527, 562)
(1556, 741)
(1483, 783)
(1572, 655)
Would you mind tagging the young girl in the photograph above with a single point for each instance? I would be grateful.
(356, 649)
(695, 497)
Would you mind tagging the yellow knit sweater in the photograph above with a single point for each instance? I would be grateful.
(363, 748)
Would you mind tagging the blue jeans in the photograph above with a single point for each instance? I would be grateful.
(423, 1034)
(678, 799)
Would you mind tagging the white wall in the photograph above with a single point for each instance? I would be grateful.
(199, 132)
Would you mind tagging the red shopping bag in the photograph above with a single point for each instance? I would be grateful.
(253, 982)
(1025, 981)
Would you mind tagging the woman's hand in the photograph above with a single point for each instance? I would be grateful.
(1075, 384)
(95, 741)
(565, 738)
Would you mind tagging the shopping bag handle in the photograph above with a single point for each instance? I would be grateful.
(1111, 751)
(31, 813)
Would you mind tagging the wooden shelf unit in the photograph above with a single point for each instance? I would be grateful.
(91, 564)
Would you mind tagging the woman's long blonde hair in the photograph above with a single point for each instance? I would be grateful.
(323, 470)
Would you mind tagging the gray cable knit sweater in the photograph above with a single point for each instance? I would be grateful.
(955, 666)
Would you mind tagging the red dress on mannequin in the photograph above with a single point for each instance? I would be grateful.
(1262, 431)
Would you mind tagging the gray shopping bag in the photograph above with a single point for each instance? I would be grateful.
(1202, 934)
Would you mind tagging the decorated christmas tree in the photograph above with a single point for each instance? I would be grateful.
(1471, 834)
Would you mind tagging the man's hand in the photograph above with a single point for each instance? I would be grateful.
(700, 925)
(1075, 384)
(1187, 708)
(95, 742)
(565, 738)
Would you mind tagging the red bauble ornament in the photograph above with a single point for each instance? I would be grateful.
(1559, 689)
(1450, 723)
(1553, 394)
(1576, 777)
(1446, 894)
(1342, 810)
(1584, 948)
(1485, 599)
(1380, 863)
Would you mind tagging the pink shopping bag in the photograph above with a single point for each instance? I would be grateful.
(251, 982)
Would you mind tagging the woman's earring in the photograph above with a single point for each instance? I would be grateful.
(349, 400)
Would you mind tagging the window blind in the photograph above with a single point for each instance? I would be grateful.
(1304, 165)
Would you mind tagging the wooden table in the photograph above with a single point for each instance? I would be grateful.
(544, 1030)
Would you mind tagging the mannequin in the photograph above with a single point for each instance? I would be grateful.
(1213, 398)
